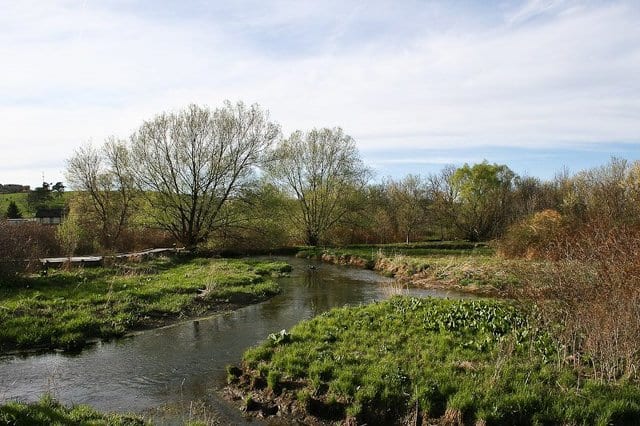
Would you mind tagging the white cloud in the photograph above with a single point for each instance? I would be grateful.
(406, 75)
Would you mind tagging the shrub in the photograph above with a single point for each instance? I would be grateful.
(531, 237)
(594, 291)
(23, 243)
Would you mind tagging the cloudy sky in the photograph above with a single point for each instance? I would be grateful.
(536, 85)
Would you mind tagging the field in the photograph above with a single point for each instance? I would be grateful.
(407, 359)
(67, 308)
(19, 199)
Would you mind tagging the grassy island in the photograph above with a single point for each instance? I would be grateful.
(65, 309)
(420, 361)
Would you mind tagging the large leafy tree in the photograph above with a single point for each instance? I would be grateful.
(189, 164)
(322, 169)
(483, 193)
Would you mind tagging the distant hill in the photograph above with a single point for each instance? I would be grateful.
(21, 201)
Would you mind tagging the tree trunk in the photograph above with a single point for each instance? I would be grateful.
(312, 239)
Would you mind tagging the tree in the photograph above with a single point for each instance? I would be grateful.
(68, 234)
(604, 192)
(40, 197)
(253, 220)
(483, 199)
(104, 181)
(189, 164)
(58, 188)
(323, 170)
(409, 204)
(442, 196)
(13, 212)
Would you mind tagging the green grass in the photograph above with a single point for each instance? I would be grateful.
(467, 360)
(65, 309)
(49, 412)
(19, 199)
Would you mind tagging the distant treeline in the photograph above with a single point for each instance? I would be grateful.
(227, 178)
(11, 188)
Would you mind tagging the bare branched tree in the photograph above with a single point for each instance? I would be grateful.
(189, 164)
(104, 177)
(323, 170)
(409, 203)
(442, 195)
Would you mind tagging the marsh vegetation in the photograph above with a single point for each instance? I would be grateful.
(410, 360)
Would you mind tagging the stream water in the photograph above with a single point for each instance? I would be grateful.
(161, 372)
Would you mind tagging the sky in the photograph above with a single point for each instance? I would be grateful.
(539, 85)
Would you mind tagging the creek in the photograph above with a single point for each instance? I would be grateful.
(167, 374)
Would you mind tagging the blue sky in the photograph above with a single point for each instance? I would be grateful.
(536, 85)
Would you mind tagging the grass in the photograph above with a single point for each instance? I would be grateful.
(20, 200)
(47, 412)
(67, 308)
(472, 361)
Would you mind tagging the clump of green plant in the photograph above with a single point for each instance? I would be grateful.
(48, 411)
(475, 361)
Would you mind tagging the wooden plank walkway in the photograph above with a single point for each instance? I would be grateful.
(97, 260)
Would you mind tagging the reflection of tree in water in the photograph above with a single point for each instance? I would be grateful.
(324, 291)
(313, 280)
(313, 277)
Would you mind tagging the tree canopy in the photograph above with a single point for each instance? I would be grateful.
(482, 193)
(322, 169)
(103, 175)
(190, 163)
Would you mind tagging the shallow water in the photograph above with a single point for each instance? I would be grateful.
(161, 372)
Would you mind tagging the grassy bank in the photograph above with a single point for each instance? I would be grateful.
(409, 360)
(459, 265)
(67, 308)
(370, 252)
(49, 412)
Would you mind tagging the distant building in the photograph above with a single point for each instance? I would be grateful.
(12, 188)
(50, 216)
